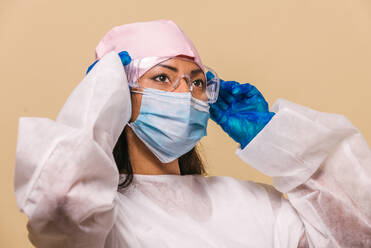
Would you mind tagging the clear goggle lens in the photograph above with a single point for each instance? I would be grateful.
(149, 73)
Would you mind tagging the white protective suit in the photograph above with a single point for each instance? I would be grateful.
(66, 181)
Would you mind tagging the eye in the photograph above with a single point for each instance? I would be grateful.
(161, 78)
(199, 83)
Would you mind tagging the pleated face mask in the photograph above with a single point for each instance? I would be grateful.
(170, 123)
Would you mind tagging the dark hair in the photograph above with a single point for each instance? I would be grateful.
(189, 163)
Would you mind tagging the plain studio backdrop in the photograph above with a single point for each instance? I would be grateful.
(315, 53)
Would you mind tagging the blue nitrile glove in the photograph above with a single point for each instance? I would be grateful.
(124, 56)
(241, 111)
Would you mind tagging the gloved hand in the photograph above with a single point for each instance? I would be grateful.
(241, 111)
(124, 56)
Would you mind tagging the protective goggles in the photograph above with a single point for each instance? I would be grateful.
(151, 72)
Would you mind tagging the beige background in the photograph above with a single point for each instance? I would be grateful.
(316, 53)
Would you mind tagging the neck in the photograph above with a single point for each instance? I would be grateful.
(143, 161)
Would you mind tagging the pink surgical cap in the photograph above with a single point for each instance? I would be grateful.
(157, 38)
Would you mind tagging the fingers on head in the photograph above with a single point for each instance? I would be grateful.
(125, 57)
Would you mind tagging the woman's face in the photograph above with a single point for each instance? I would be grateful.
(162, 77)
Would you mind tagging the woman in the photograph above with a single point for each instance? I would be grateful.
(68, 171)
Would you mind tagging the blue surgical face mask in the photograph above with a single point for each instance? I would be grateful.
(170, 123)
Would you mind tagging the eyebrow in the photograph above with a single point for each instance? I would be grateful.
(169, 67)
(193, 72)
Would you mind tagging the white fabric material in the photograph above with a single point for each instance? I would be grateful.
(66, 181)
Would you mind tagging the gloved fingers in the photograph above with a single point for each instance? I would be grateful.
(216, 114)
(91, 66)
(253, 91)
(227, 85)
(258, 118)
(256, 102)
(247, 98)
(251, 95)
(241, 89)
(125, 57)
(226, 96)
(245, 90)
(243, 107)
(210, 75)
(222, 103)
(237, 90)
(218, 110)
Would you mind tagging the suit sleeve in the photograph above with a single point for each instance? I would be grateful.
(65, 177)
(323, 164)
